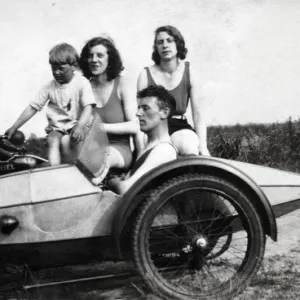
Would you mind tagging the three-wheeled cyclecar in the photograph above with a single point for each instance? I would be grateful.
(195, 227)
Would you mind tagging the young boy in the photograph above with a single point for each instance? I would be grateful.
(70, 102)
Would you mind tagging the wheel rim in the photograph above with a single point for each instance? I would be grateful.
(195, 248)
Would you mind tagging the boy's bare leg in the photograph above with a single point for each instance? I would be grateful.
(54, 139)
(66, 148)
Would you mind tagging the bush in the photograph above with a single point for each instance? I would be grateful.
(275, 145)
(37, 146)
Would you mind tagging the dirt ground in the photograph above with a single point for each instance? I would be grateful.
(278, 277)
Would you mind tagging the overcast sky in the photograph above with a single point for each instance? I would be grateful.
(247, 51)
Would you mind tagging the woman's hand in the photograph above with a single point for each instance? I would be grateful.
(203, 151)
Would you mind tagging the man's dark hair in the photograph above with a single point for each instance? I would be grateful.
(178, 38)
(115, 65)
(164, 98)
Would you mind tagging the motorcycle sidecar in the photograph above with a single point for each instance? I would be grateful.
(195, 227)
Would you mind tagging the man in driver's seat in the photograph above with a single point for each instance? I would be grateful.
(155, 106)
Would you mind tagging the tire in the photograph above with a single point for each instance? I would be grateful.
(180, 226)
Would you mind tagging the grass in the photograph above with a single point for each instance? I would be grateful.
(278, 278)
(276, 145)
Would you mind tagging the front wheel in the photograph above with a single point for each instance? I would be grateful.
(182, 224)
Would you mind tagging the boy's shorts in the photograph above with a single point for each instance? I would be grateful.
(62, 131)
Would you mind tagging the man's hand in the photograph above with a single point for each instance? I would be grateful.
(117, 185)
(77, 133)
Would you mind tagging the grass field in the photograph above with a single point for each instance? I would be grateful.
(274, 145)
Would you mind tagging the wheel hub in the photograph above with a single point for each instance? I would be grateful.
(200, 242)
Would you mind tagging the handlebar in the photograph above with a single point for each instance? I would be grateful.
(9, 153)
(6, 144)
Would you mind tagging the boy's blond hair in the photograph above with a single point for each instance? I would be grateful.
(63, 54)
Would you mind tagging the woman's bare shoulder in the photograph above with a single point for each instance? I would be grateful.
(126, 87)
(125, 80)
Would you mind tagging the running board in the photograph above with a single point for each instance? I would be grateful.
(84, 279)
(285, 208)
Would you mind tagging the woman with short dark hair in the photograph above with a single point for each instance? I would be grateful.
(172, 72)
(101, 63)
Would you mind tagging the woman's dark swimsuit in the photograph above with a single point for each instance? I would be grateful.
(112, 112)
(181, 93)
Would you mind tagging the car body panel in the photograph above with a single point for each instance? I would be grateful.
(279, 186)
(10, 195)
(57, 253)
(71, 211)
(60, 182)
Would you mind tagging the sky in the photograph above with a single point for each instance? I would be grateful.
(246, 51)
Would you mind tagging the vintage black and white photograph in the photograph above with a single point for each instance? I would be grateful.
(149, 149)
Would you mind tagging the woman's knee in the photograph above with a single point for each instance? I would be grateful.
(115, 159)
(186, 141)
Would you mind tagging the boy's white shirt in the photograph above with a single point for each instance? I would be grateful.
(65, 101)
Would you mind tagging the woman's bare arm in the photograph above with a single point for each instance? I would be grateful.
(198, 113)
(142, 82)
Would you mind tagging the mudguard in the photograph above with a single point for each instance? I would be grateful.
(195, 164)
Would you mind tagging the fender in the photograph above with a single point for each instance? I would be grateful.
(195, 164)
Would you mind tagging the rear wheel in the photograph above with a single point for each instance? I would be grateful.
(197, 237)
